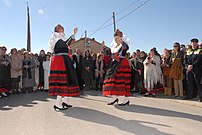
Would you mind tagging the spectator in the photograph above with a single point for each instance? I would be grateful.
(176, 72)
(41, 59)
(46, 67)
(166, 73)
(28, 80)
(193, 65)
(16, 66)
(4, 71)
(99, 71)
(36, 70)
(87, 69)
(78, 59)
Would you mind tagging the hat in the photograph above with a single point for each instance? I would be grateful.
(194, 40)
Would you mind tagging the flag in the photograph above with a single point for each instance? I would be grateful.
(28, 30)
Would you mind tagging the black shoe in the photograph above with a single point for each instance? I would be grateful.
(46, 90)
(57, 108)
(19, 90)
(146, 94)
(4, 94)
(111, 103)
(64, 105)
(124, 104)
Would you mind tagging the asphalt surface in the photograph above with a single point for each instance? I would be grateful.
(33, 114)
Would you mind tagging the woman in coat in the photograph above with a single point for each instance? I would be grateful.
(28, 74)
(88, 67)
(176, 72)
(16, 66)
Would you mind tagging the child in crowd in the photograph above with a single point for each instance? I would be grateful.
(46, 67)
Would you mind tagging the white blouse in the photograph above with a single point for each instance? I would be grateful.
(53, 39)
(115, 48)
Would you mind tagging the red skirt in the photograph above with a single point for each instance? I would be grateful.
(119, 83)
(3, 90)
(59, 84)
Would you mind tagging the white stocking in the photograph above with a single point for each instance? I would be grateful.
(113, 98)
(125, 99)
(66, 100)
(58, 101)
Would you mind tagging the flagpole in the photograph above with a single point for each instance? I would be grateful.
(28, 30)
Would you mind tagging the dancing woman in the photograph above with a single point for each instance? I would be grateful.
(117, 78)
(63, 82)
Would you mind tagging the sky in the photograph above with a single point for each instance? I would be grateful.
(158, 23)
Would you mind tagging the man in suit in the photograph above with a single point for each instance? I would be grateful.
(77, 58)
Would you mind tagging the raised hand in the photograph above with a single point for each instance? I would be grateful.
(75, 31)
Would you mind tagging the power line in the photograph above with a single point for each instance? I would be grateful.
(112, 17)
(133, 11)
(100, 28)
(127, 7)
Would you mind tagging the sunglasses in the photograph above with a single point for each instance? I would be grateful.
(175, 46)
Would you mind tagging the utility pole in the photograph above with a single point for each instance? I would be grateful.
(28, 30)
(85, 41)
(114, 21)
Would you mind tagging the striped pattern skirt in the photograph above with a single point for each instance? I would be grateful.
(4, 90)
(119, 83)
(62, 79)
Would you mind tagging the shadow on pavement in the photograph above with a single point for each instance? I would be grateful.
(26, 100)
(158, 111)
(130, 126)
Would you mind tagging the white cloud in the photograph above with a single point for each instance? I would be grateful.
(7, 2)
(40, 11)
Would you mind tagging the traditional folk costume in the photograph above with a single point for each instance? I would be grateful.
(157, 62)
(62, 81)
(152, 75)
(117, 78)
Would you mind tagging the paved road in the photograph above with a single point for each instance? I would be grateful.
(32, 114)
